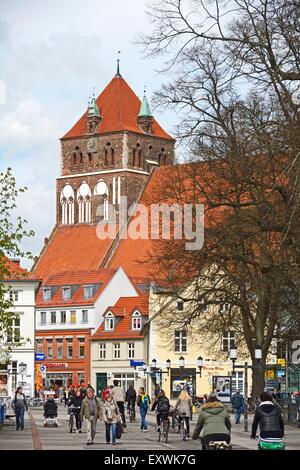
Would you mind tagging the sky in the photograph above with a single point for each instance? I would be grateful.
(52, 54)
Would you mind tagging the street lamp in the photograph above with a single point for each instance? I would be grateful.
(200, 364)
(153, 363)
(168, 364)
(258, 352)
(233, 355)
(181, 362)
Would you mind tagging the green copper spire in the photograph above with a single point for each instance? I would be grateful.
(93, 108)
(145, 108)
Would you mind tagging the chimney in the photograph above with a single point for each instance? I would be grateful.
(15, 261)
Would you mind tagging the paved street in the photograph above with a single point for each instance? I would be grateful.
(35, 436)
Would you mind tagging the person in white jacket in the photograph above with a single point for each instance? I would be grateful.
(119, 397)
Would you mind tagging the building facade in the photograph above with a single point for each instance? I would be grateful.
(21, 288)
(118, 349)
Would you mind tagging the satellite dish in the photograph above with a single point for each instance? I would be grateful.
(296, 96)
(101, 188)
(67, 191)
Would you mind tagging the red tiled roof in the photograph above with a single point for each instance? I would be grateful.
(74, 247)
(119, 107)
(124, 309)
(16, 273)
(74, 278)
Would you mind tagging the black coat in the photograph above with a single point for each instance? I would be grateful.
(131, 395)
(268, 417)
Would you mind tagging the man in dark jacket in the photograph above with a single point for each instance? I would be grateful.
(268, 416)
(131, 399)
(75, 407)
(237, 401)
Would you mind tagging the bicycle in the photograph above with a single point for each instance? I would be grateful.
(72, 419)
(251, 407)
(131, 412)
(183, 426)
(162, 431)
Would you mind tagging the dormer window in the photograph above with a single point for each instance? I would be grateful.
(136, 321)
(66, 293)
(88, 292)
(109, 322)
(47, 294)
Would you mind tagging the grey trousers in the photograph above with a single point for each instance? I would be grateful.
(91, 428)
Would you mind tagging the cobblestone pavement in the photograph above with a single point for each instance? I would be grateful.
(35, 436)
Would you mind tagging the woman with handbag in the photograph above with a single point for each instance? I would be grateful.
(20, 405)
(111, 416)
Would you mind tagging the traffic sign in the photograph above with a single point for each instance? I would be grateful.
(136, 363)
(281, 362)
(43, 370)
(40, 357)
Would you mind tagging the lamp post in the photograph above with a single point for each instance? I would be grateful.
(161, 372)
(200, 365)
(233, 357)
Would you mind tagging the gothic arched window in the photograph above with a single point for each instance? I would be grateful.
(112, 152)
(80, 157)
(134, 157)
(67, 204)
(140, 158)
(84, 203)
(74, 158)
(101, 190)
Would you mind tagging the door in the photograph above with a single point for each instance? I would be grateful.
(101, 382)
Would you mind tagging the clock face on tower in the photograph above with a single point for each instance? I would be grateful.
(92, 144)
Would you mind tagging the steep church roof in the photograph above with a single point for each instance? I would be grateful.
(119, 108)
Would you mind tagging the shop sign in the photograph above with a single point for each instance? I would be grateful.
(281, 362)
(56, 365)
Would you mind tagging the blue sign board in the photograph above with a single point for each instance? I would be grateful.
(40, 357)
(136, 363)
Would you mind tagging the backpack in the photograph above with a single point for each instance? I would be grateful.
(163, 405)
(145, 402)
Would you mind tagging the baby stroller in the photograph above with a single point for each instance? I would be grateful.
(50, 413)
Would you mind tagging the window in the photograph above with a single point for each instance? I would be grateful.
(66, 293)
(73, 316)
(70, 347)
(238, 381)
(102, 351)
(136, 322)
(105, 157)
(14, 373)
(116, 351)
(140, 158)
(228, 340)
(59, 348)
(49, 348)
(13, 335)
(43, 318)
(88, 292)
(81, 347)
(85, 316)
(74, 158)
(90, 158)
(109, 323)
(46, 294)
(133, 157)
(39, 346)
(53, 318)
(63, 317)
(112, 156)
(181, 341)
(180, 305)
(125, 380)
(130, 350)
(14, 295)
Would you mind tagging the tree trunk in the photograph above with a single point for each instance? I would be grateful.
(258, 378)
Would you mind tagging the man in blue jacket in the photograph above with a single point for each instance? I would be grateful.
(237, 401)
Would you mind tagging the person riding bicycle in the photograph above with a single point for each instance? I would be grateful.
(131, 399)
(162, 406)
(75, 406)
(183, 407)
(268, 416)
(213, 421)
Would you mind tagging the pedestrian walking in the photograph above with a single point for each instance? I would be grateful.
(119, 396)
(183, 407)
(20, 405)
(143, 401)
(75, 403)
(268, 416)
(104, 394)
(90, 412)
(110, 415)
(66, 397)
(238, 403)
(131, 400)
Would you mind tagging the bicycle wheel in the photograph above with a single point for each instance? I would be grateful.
(183, 430)
(71, 423)
(157, 433)
(166, 431)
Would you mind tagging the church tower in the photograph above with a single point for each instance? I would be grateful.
(109, 153)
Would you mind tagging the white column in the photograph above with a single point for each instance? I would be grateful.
(114, 190)
(119, 189)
